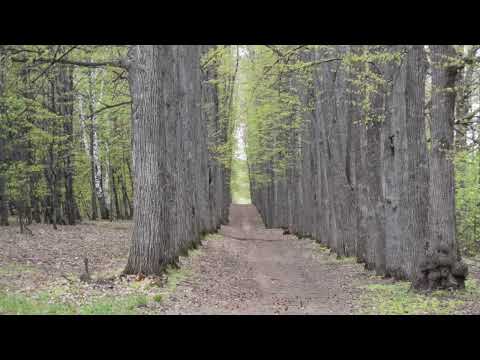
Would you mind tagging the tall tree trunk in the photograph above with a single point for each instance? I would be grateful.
(53, 169)
(97, 169)
(152, 89)
(162, 95)
(325, 113)
(405, 164)
(376, 228)
(51, 200)
(361, 186)
(392, 160)
(335, 111)
(209, 113)
(92, 146)
(414, 199)
(3, 180)
(64, 89)
(442, 267)
(93, 192)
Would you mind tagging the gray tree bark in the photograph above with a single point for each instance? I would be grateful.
(154, 106)
(375, 258)
(405, 164)
(392, 159)
(64, 88)
(442, 266)
(170, 187)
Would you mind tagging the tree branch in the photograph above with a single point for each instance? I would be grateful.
(120, 63)
(106, 107)
(53, 62)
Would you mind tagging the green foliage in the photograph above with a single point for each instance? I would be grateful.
(240, 184)
(280, 95)
(224, 60)
(273, 107)
(96, 90)
(175, 276)
(33, 126)
(467, 177)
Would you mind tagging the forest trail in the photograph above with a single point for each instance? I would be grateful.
(243, 269)
(254, 270)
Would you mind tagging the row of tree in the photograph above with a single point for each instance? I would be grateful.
(182, 110)
(362, 158)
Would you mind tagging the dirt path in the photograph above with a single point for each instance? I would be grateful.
(245, 269)
(254, 270)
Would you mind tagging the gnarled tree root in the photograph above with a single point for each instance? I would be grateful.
(441, 270)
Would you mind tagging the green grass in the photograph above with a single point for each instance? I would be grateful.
(52, 301)
(113, 306)
(21, 305)
(60, 298)
(175, 276)
(213, 236)
(43, 304)
(398, 299)
(158, 298)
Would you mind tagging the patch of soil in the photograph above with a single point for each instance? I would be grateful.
(31, 261)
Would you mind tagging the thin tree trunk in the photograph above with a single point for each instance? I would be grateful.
(93, 189)
(127, 204)
(118, 210)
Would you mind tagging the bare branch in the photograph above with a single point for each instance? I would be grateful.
(106, 107)
(53, 62)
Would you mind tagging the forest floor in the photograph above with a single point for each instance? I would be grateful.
(244, 269)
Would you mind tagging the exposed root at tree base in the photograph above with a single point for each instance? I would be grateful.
(441, 270)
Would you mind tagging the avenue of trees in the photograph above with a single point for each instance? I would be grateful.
(372, 150)
(356, 147)
(182, 107)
